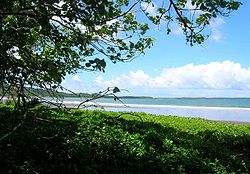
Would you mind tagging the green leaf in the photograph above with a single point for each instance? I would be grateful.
(116, 90)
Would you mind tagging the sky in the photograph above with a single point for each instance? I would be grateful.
(220, 67)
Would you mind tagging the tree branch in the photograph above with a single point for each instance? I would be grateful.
(115, 17)
(180, 16)
(15, 128)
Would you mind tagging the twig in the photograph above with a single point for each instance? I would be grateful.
(44, 120)
(5, 92)
(15, 128)
(43, 100)
(48, 138)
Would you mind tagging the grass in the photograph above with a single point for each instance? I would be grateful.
(75, 141)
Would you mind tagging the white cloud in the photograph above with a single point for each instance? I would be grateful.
(74, 83)
(216, 22)
(63, 82)
(217, 35)
(151, 8)
(215, 25)
(76, 78)
(176, 29)
(215, 75)
(58, 21)
(111, 22)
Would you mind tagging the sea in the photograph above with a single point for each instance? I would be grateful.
(220, 109)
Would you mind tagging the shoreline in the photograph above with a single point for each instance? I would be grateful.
(120, 105)
(221, 114)
(239, 115)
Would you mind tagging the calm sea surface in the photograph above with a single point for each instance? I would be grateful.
(225, 109)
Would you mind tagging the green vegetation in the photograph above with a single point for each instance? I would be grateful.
(75, 141)
(38, 92)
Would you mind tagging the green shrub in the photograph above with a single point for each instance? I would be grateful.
(57, 141)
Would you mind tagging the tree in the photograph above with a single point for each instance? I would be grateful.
(42, 41)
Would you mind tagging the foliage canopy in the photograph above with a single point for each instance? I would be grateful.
(42, 41)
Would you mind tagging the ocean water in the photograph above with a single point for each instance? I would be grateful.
(205, 102)
(223, 109)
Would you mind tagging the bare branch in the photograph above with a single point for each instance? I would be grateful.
(15, 128)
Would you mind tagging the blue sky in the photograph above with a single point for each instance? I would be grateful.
(220, 67)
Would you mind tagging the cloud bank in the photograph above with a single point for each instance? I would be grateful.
(215, 75)
(215, 79)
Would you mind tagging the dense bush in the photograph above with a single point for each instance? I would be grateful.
(57, 141)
